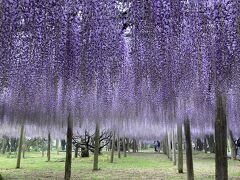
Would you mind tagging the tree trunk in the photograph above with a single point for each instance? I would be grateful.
(20, 147)
(135, 148)
(164, 146)
(205, 144)
(96, 150)
(24, 148)
(233, 146)
(140, 145)
(57, 146)
(189, 160)
(4, 146)
(211, 143)
(173, 148)
(13, 144)
(124, 147)
(68, 162)
(63, 144)
(134, 145)
(76, 151)
(180, 149)
(113, 147)
(119, 146)
(8, 145)
(127, 141)
(169, 146)
(43, 147)
(49, 148)
(221, 164)
(23, 155)
(199, 144)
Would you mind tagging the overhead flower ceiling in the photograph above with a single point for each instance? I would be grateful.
(128, 64)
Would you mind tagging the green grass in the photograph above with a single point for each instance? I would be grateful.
(143, 165)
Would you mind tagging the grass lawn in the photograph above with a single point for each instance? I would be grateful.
(142, 165)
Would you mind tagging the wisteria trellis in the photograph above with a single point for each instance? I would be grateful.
(139, 65)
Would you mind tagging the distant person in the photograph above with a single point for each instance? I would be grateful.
(155, 146)
(158, 146)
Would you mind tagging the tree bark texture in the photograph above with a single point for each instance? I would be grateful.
(113, 147)
(180, 149)
(20, 147)
(96, 150)
(68, 162)
(49, 147)
(189, 160)
(221, 164)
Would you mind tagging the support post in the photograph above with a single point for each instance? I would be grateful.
(124, 147)
(20, 147)
(189, 160)
(221, 164)
(173, 148)
(205, 144)
(113, 147)
(49, 147)
(233, 146)
(119, 146)
(57, 146)
(68, 162)
(180, 149)
(96, 148)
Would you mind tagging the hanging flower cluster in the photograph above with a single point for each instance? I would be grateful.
(126, 64)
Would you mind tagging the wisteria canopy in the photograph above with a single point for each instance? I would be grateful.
(139, 66)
